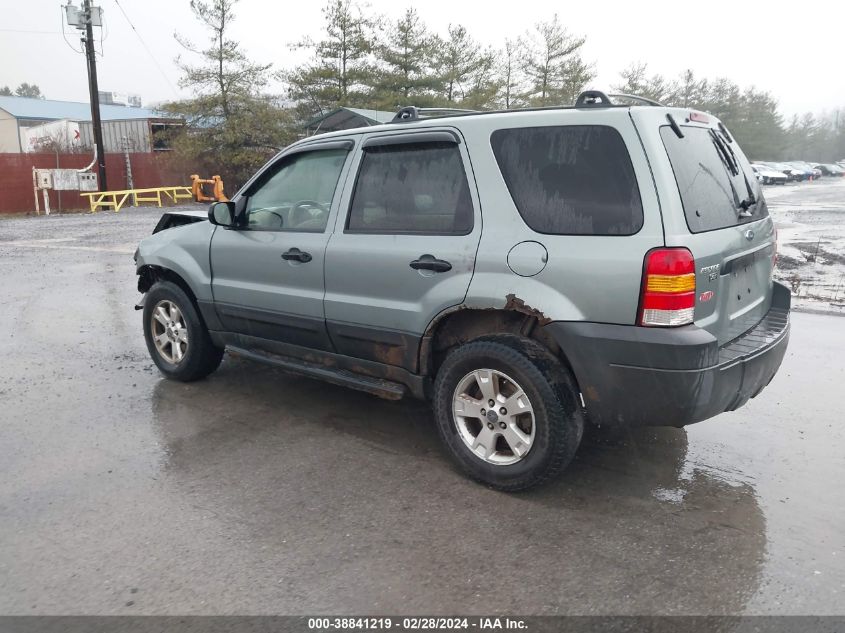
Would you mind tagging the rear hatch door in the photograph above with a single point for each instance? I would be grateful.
(720, 215)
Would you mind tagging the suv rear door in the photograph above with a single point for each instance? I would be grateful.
(713, 205)
(404, 246)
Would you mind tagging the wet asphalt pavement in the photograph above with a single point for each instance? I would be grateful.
(257, 492)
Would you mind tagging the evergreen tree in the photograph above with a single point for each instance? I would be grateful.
(689, 91)
(24, 90)
(342, 71)
(758, 126)
(511, 78)
(637, 82)
(231, 128)
(484, 83)
(459, 62)
(224, 72)
(553, 65)
(406, 76)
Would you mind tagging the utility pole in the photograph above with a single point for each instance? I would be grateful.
(94, 93)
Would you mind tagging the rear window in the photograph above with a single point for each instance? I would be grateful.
(411, 188)
(717, 184)
(570, 180)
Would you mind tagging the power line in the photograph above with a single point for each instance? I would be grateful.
(149, 52)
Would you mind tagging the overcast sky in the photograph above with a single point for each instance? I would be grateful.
(792, 49)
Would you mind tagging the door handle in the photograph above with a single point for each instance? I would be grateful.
(294, 254)
(430, 262)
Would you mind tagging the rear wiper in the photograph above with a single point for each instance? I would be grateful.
(732, 163)
(745, 205)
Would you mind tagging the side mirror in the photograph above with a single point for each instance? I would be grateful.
(222, 213)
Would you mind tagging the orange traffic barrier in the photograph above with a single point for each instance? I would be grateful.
(197, 189)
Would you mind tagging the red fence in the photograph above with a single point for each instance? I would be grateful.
(148, 170)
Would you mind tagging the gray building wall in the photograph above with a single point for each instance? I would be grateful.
(137, 131)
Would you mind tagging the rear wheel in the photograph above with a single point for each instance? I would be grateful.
(507, 412)
(177, 339)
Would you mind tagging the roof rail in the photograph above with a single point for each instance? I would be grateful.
(637, 98)
(413, 113)
(598, 99)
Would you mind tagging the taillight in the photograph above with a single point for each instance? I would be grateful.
(668, 288)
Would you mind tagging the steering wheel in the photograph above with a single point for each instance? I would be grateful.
(281, 219)
(306, 203)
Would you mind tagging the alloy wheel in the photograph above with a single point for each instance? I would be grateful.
(493, 416)
(170, 332)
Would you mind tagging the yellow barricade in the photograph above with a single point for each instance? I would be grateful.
(116, 199)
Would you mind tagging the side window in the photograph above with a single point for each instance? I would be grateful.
(418, 188)
(570, 180)
(298, 195)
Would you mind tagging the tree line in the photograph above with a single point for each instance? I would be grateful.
(23, 90)
(374, 62)
(368, 61)
(751, 115)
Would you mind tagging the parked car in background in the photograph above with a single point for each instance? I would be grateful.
(768, 176)
(793, 173)
(808, 171)
(830, 169)
(817, 173)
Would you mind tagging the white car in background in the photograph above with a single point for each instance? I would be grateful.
(769, 176)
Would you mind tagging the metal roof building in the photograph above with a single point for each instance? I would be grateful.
(137, 125)
(347, 118)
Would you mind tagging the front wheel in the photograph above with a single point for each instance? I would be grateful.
(507, 411)
(177, 339)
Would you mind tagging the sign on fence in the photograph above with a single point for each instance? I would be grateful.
(60, 180)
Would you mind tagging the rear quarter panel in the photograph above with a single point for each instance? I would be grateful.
(587, 277)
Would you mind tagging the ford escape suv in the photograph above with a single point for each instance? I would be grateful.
(527, 272)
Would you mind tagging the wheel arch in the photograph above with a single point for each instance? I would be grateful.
(459, 325)
(149, 274)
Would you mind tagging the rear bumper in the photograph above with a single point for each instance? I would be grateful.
(671, 377)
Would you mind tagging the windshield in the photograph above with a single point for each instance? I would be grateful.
(717, 185)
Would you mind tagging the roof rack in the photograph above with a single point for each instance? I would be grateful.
(596, 98)
(413, 113)
(587, 99)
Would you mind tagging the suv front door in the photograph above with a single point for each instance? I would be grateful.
(267, 274)
(404, 250)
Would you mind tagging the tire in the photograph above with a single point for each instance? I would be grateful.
(187, 352)
(557, 423)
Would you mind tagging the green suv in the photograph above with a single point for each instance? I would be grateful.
(527, 272)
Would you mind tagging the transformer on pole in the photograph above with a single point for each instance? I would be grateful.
(85, 19)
